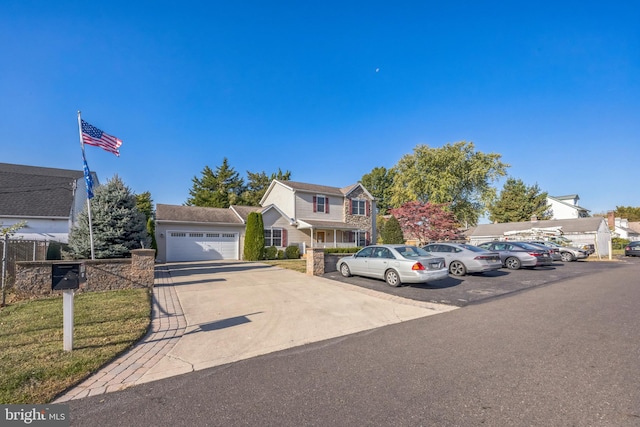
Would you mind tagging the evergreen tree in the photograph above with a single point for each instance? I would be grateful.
(254, 238)
(118, 226)
(258, 183)
(219, 189)
(144, 203)
(392, 232)
(518, 202)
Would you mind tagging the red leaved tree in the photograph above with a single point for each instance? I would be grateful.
(426, 222)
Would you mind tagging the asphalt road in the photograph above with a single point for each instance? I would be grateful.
(474, 288)
(563, 353)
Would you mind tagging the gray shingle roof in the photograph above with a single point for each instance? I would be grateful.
(196, 214)
(314, 188)
(577, 225)
(33, 191)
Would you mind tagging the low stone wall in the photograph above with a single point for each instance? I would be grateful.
(330, 261)
(33, 278)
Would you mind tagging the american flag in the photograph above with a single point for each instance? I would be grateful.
(91, 135)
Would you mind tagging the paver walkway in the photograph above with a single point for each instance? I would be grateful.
(167, 326)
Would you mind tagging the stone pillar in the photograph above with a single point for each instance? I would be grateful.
(315, 261)
(142, 267)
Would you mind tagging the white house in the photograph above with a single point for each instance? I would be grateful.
(566, 207)
(47, 199)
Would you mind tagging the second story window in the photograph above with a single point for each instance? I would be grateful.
(321, 204)
(358, 207)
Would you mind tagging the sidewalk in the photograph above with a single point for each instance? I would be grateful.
(167, 326)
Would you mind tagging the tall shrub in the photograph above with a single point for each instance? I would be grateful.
(254, 239)
(392, 232)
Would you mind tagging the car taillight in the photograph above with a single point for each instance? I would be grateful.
(417, 266)
(535, 254)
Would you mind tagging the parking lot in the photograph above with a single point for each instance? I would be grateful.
(470, 289)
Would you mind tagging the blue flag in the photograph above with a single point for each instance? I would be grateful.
(87, 178)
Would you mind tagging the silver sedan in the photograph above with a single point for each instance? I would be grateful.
(515, 255)
(395, 264)
(462, 258)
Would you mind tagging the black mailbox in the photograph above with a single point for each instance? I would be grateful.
(67, 276)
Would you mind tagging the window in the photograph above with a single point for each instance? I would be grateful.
(196, 235)
(176, 234)
(358, 207)
(321, 204)
(273, 237)
(359, 238)
(213, 234)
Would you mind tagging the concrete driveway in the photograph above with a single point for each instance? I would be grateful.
(237, 310)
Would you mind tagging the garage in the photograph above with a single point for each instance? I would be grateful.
(201, 246)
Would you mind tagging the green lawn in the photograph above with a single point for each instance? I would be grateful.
(34, 368)
(290, 264)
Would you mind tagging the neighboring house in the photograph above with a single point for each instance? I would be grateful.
(48, 199)
(293, 213)
(621, 227)
(566, 207)
(581, 231)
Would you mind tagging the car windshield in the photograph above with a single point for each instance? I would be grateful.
(411, 251)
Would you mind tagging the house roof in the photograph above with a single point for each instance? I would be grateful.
(244, 211)
(174, 213)
(32, 191)
(561, 199)
(312, 223)
(312, 188)
(575, 225)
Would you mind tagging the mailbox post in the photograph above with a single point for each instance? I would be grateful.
(67, 278)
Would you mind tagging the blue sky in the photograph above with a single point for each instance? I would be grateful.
(551, 86)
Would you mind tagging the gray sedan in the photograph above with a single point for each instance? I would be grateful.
(395, 264)
(515, 255)
(462, 258)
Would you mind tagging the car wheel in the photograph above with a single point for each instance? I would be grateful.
(344, 270)
(512, 263)
(567, 257)
(457, 268)
(392, 278)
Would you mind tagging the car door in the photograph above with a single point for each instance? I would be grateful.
(379, 262)
(359, 264)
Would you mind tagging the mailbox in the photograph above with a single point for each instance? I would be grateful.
(67, 276)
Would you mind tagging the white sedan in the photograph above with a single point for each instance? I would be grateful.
(395, 264)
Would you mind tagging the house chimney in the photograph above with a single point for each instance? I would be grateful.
(611, 219)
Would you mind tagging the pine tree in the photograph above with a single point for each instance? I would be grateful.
(117, 224)
(219, 189)
(518, 202)
(144, 203)
(392, 232)
(254, 238)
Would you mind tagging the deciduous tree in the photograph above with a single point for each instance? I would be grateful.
(379, 182)
(518, 202)
(629, 212)
(426, 221)
(455, 174)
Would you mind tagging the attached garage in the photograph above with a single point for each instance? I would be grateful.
(201, 246)
(191, 233)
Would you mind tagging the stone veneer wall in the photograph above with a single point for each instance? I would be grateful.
(33, 278)
(360, 222)
(315, 261)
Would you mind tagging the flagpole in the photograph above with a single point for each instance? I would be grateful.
(88, 199)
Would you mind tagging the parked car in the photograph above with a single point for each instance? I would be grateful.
(517, 254)
(632, 249)
(462, 258)
(554, 252)
(567, 254)
(395, 264)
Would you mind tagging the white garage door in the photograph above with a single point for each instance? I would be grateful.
(201, 246)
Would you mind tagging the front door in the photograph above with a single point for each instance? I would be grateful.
(320, 237)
